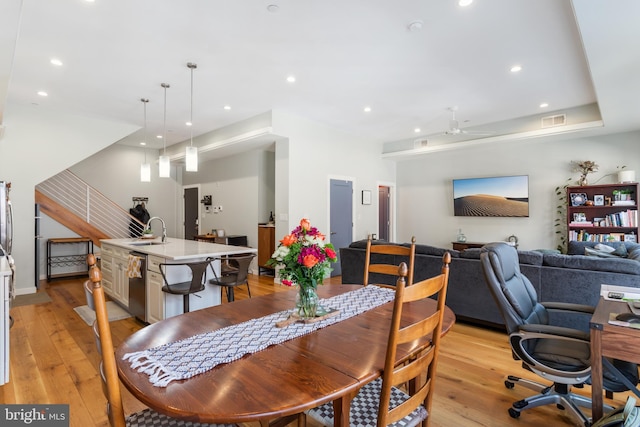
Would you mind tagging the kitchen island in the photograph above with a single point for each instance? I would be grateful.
(114, 260)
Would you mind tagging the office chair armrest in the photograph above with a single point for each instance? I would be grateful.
(570, 307)
(549, 331)
(535, 331)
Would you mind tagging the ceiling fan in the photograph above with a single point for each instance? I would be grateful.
(454, 127)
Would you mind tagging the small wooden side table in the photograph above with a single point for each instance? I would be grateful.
(461, 246)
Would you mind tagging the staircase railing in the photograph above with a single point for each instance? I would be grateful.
(86, 202)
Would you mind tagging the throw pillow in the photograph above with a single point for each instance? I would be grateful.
(620, 251)
(634, 254)
(605, 248)
(598, 253)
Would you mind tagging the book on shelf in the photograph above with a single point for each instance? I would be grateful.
(624, 203)
(580, 224)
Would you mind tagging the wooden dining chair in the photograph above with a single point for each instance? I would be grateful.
(383, 401)
(109, 373)
(387, 263)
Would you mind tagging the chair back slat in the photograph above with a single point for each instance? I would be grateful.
(390, 268)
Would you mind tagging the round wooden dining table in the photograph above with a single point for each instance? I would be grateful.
(329, 364)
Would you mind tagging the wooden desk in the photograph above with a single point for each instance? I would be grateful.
(327, 365)
(609, 341)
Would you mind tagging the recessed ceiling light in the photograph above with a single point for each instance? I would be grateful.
(188, 123)
(90, 1)
(143, 143)
(291, 79)
(42, 93)
(227, 107)
(367, 109)
(464, 3)
(56, 62)
(516, 68)
(417, 130)
(544, 105)
(159, 136)
(273, 8)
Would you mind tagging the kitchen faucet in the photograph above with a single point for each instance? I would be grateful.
(164, 227)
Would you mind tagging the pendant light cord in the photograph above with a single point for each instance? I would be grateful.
(164, 130)
(144, 103)
(192, 67)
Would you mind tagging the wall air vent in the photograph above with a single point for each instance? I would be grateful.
(420, 143)
(557, 120)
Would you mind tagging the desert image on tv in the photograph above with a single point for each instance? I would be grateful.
(501, 196)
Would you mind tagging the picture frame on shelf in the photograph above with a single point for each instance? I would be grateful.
(598, 200)
(578, 199)
(579, 217)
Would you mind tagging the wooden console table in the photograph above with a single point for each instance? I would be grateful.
(461, 246)
(68, 260)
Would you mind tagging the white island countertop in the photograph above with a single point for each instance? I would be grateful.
(178, 249)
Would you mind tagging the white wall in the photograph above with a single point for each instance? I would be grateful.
(236, 184)
(38, 144)
(316, 153)
(425, 193)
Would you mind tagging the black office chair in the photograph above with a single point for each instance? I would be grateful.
(235, 274)
(556, 353)
(184, 285)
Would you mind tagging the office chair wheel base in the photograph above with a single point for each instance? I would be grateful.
(520, 404)
(513, 413)
(508, 384)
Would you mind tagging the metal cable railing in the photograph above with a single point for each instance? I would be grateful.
(86, 202)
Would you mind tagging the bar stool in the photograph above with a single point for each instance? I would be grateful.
(234, 275)
(198, 271)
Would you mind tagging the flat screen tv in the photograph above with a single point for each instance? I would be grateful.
(497, 196)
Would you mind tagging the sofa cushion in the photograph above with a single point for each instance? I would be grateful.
(362, 244)
(432, 250)
(634, 254)
(471, 253)
(583, 262)
(578, 248)
(530, 257)
(606, 251)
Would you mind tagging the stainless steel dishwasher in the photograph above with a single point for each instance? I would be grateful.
(138, 290)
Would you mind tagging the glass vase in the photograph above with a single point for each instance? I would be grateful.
(307, 302)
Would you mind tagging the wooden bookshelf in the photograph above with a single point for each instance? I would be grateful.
(600, 213)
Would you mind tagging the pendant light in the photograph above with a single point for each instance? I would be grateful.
(145, 168)
(191, 155)
(164, 164)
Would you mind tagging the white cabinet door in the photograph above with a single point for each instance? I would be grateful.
(106, 265)
(155, 297)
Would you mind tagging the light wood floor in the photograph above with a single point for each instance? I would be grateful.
(54, 360)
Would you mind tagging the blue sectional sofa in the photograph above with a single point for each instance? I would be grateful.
(574, 277)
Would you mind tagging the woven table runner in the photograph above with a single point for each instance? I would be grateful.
(191, 356)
